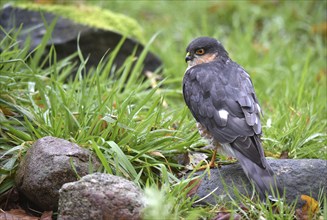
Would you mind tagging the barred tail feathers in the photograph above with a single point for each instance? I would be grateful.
(263, 178)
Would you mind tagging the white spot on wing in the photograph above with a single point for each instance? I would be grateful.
(258, 107)
(223, 114)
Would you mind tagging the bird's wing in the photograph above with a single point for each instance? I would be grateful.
(221, 98)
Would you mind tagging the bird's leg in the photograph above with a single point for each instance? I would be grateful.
(211, 164)
(213, 159)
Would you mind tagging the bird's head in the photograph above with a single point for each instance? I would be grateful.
(204, 50)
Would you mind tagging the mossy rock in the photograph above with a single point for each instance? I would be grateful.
(93, 30)
(93, 17)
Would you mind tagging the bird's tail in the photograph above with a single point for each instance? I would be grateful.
(264, 178)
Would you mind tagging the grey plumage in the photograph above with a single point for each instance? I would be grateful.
(221, 97)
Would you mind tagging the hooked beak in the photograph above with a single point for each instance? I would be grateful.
(188, 57)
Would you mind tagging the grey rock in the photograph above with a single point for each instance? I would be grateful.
(100, 196)
(48, 164)
(93, 42)
(297, 176)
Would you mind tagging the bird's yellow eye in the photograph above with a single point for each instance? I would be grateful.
(199, 51)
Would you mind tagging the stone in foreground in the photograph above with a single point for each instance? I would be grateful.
(48, 164)
(100, 196)
(298, 176)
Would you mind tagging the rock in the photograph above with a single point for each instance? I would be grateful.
(94, 42)
(100, 196)
(299, 176)
(47, 166)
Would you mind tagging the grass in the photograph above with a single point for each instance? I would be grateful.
(137, 129)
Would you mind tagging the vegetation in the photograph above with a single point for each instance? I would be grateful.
(137, 126)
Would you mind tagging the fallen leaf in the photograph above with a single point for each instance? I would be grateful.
(244, 208)
(226, 215)
(222, 216)
(284, 155)
(7, 111)
(310, 207)
(299, 215)
(195, 159)
(156, 153)
(46, 215)
(311, 204)
(16, 214)
(194, 185)
(270, 154)
(104, 124)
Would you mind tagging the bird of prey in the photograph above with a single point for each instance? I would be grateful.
(221, 98)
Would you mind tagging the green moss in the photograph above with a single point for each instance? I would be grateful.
(94, 17)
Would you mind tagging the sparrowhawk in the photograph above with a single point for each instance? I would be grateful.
(221, 98)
